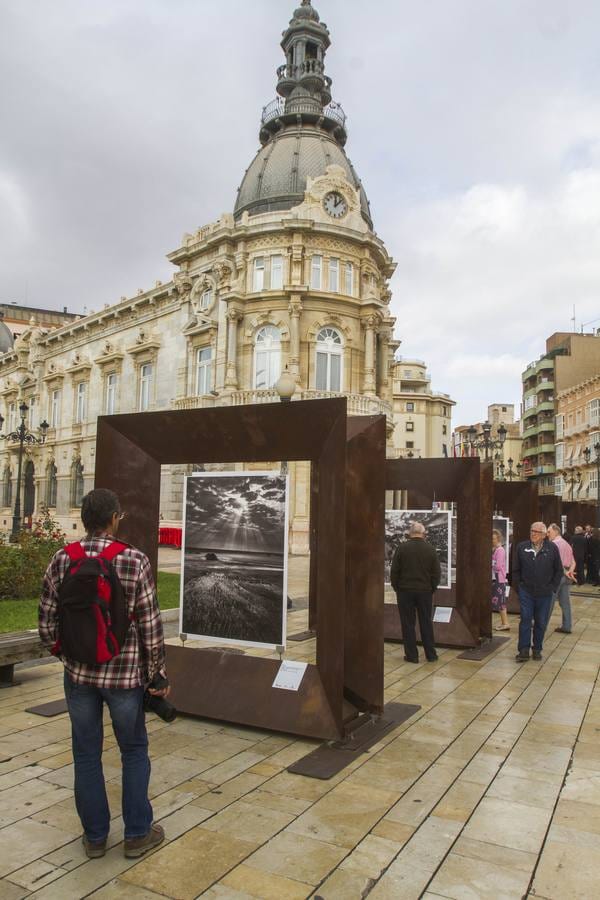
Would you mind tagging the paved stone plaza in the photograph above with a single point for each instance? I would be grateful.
(491, 790)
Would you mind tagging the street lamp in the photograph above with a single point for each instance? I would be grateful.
(571, 479)
(486, 442)
(508, 471)
(23, 436)
(588, 458)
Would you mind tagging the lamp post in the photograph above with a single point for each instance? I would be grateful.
(571, 479)
(588, 458)
(22, 435)
(486, 442)
(507, 472)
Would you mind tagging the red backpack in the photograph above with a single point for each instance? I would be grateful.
(93, 618)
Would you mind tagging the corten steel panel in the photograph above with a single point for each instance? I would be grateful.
(233, 688)
(365, 536)
(130, 450)
(519, 501)
(470, 484)
(549, 508)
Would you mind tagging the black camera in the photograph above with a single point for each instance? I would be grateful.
(158, 705)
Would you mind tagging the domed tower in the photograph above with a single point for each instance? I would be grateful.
(302, 131)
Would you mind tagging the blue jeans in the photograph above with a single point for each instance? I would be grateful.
(536, 611)
(563, 595)
(85, 704)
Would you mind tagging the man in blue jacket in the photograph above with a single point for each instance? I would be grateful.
(536, 574)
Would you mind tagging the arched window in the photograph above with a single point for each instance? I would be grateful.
(76, 484)
(51, 485)
(7, 487)
(329, 360)
(267, 357)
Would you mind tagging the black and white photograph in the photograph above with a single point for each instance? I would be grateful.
(234, 561)
(437, 525)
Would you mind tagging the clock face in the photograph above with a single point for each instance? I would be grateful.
(335, 204)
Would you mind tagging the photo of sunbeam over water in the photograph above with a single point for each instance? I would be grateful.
(234, 561)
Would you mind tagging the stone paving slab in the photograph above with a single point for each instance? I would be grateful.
(491, 790)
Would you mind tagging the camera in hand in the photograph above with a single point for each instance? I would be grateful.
(158, 705)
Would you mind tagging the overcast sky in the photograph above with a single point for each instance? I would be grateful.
(475, 127)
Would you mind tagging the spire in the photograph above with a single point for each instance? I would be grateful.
(303, 87)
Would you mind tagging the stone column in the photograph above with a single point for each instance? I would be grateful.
(294, 309)
(369, 384)
(231, 379)
(383, 363)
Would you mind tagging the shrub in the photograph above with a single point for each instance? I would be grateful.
(22, 564)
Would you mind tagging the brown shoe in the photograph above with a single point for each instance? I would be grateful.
(138, 846)
(93, 849)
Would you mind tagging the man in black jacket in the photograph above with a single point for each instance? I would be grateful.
(415, 575)
(536, 574)
(580, 547)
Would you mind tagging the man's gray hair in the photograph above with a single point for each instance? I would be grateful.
(416, 528)
(555, 527)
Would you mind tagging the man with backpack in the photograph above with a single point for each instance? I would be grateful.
(99, 614)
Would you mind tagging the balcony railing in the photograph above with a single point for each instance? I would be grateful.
(276, 108)
(358, 404)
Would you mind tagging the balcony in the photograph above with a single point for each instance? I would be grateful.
(276, 110)
(358, 404)
(545, 405)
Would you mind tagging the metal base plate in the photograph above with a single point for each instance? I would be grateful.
(302, 636)
(479, 653)
(53, 708)
(329, 759)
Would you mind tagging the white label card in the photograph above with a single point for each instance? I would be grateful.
(290, 675)
(442, 614)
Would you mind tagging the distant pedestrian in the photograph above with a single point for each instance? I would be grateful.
(119, 681)
(595, 557)
(589, 566)
(536, 575)
(415, 575)
(499, 580)
(563, 594)
(580, 548)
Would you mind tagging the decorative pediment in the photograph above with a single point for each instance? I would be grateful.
(198, 324)
(335, 181)
(9, 388)
(146, 343)
(80, 365)
(110, 355)
(53, 373)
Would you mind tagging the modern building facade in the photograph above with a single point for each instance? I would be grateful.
(422, 416)
(294, 277)
(569, 359)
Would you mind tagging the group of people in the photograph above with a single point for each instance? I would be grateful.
(544, 568)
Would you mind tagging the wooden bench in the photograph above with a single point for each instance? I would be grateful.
(17, 647)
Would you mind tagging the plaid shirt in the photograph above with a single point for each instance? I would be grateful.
(143, 653)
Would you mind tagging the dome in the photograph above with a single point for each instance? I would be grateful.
(306, 11)
(6, 338)
(276, 178)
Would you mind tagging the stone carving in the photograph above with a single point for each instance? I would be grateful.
(183, 284)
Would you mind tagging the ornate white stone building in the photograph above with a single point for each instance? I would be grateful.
(295, 276)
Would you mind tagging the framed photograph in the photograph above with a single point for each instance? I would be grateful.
(234, 558)
(437, 526)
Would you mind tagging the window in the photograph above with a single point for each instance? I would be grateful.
(593, 484)
(76, 484)
(146, 375)
(55, 403)
(349, 279)
(444, 429)
(33, 416)
(559, 485)
(7, 487)
(408, 373)
(530, 402)
(110, 404)
(410, 445)
(276, 273)
(560, 426)
(410, 407)
(258, 280)
(206, 298)
(503, 409)
(334, 275)
(12, 417)
(560, 456)
(51, 484)
(315, 274)
(410, 426)
(329, 360)
(204, 371)
(267, 357)
(594, 412)
(81, 403)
